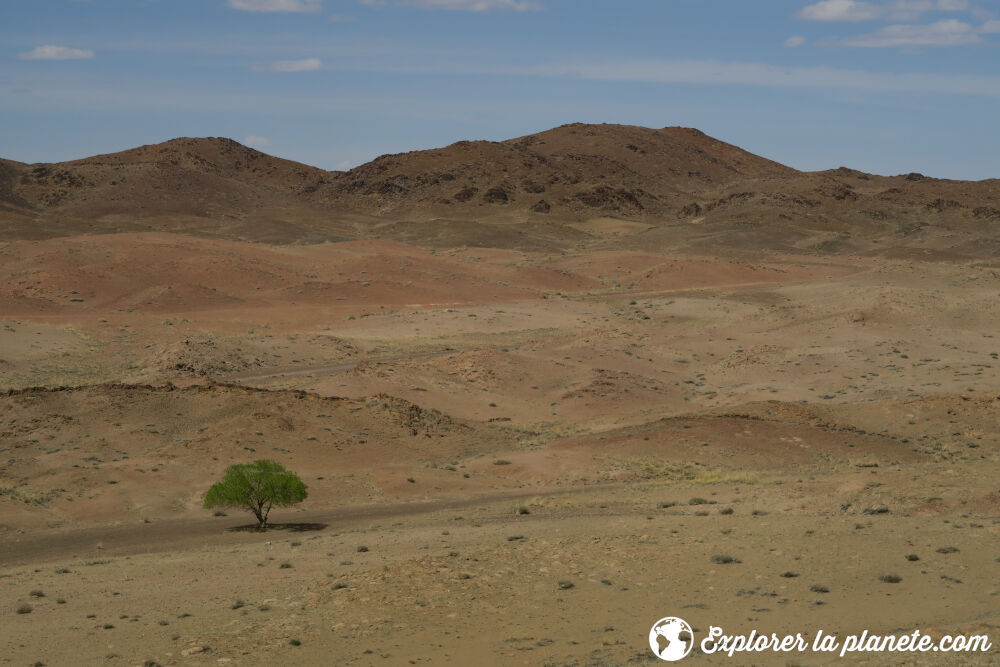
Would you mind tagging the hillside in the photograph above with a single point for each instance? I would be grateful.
(212, 187)
(554, 189)
(570, 170)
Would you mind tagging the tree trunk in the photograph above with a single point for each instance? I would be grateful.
(267, 510)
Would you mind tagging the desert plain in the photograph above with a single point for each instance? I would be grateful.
(543, 393)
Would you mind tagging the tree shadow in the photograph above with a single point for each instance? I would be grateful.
(288, 527)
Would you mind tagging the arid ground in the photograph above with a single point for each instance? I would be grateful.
(527, 434)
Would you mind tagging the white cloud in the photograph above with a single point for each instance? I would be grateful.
(991, 27)
(943, 33)
(294, 6)
(794, 41)
(475, 5)
(840, 10)
(254, 140)
(899, 10)
(758, 74)
(51, 52)
(306, 65)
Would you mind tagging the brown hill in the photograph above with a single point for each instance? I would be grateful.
(570, 170)
(553, 189)
(210, 186)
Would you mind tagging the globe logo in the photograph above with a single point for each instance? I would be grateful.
(671, 639)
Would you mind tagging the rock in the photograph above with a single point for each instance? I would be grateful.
(541, 206)
(496, 196)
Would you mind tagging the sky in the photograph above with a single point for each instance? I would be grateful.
(885, 86)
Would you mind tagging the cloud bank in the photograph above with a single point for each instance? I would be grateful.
(760, 74)
(943, 33)
(899, 10)
(292, 6)
(52, 52)
(305, 65)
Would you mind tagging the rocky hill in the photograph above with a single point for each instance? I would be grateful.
(535, 191)
(573, 170)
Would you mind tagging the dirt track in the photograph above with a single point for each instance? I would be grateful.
(181, 534)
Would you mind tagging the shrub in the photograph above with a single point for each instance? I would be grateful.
(723, 559)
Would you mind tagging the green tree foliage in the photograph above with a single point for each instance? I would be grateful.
(257, 487)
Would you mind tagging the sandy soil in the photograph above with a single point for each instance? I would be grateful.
(513, 457)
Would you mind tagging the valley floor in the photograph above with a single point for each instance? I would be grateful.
(512, 458)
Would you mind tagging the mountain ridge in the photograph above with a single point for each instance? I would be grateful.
(672, 177)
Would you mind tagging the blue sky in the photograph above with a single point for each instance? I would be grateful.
(887, 86)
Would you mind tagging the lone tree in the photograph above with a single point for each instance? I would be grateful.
(257, 487)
